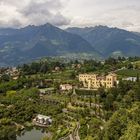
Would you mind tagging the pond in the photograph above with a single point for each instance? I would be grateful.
(34, 134)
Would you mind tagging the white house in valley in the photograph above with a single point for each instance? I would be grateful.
(66, 87)
(42, 120)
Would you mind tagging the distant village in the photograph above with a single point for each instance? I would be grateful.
(86, 80)
(11, 72)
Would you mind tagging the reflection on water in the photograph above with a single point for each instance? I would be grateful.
(33, 134)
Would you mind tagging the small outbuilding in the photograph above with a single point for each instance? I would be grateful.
(66, 87)
(42, 120)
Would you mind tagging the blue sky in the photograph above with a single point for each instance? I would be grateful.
(64, 13)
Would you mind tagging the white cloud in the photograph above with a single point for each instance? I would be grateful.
(15, 13)
(120, 13)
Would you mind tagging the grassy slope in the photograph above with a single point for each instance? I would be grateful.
(131, 73)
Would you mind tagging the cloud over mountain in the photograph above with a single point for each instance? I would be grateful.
(121, 13)
(21, 13)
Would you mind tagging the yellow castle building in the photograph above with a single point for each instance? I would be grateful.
(95, 81)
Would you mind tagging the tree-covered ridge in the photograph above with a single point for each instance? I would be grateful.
(105, 114)
(110, 41)
(34, 42)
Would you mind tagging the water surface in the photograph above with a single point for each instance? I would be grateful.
(34, 134)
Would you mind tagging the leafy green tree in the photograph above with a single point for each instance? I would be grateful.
(116, 125)
(44, 68)
(5, 78)
(10, 93)
(95, 126)
(132, 132)
(138, 78)
(109, 101)
(134, 112)
(137, 92)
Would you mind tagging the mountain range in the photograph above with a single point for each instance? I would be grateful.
(34, 42)
(110, 41)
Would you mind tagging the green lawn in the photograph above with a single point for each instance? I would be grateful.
(137, 63)
(125, 73)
